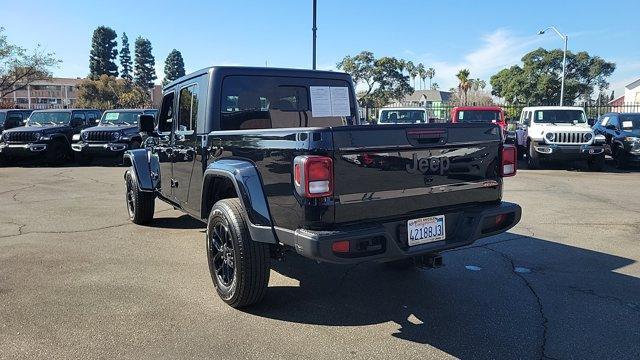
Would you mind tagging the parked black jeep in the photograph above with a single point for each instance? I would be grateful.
(10, 118)
(47, 135)
(622, 133)
(116, 132)
(272, 160)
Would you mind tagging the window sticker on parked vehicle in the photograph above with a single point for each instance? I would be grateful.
(540, 115)
(627, 124)
(329, 101)
(605, 121)
(461, 115)
(111, 116)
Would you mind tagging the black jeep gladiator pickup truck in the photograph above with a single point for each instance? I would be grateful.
(273, 159)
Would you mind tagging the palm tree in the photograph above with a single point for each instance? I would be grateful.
(411, 69)
(422, 73)
(431, 72)
(435, 86)
(464, 83)
(478, 84)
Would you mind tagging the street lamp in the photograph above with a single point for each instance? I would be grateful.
(564, 57)
(313, 30)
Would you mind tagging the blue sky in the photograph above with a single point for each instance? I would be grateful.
(483, 36)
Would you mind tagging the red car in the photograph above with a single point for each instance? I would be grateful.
(479, 114)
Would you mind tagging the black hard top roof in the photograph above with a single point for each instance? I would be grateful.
(266, 71)
(64, 110)
(129, 110)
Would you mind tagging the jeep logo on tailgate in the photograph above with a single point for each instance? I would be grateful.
(434, 165)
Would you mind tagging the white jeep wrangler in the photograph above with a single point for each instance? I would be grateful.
(558, 133)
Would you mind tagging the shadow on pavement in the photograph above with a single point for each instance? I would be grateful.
(180, 222)
(524, 298)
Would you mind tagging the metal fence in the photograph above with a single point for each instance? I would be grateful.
(442, 112)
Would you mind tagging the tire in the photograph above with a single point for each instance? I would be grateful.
(533, 158)
(83, 160)
(620, 158)
(140, 204)
(521, 150)
(239, 266)
(402, 264)
(596, 163)
(57, 153)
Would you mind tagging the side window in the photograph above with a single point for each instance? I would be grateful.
(79, 115)
(91, 118)
(527, 118)
(614, 121)
(165, 119)
(188, 109)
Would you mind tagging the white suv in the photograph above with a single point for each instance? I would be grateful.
(558, 133)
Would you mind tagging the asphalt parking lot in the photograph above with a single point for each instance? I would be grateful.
(78, 280)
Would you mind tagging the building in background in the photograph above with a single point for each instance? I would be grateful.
(57, 93)
(434, 99)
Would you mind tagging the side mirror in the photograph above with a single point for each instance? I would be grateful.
(12, 122)
(146, 123)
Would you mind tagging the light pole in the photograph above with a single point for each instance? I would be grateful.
(314, 29)
(564, 58)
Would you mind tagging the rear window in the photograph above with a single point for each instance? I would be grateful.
(401, 117)
(3, 116)
(263, 102)
(478, 116)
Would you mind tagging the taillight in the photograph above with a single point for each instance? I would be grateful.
(509, 160)
(313, 176)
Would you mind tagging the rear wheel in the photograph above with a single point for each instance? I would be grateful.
(238, 265)
(533, 158)
(57, 153)
(140, 204)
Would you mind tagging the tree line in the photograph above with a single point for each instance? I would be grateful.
(537, 81)
(127, 86)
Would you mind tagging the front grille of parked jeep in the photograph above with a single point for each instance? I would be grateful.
(571, 138)
(99, 136)
(21, 136)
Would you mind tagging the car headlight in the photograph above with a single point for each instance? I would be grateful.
(631, 139)
(75, 137)
(37, 136)
(85, 135)
(116, 135)
(588, 137)
(550, 136)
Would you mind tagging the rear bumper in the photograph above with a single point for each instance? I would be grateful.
(462, 228)
(568, 152)
(22, 149)
(100, 148)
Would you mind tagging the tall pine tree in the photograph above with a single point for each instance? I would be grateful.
(144, 67)
(125, 59)
(173, 67)
(103, 53)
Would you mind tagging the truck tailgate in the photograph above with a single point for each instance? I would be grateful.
(386, 172)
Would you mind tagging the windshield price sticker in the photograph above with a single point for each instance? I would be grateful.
(627, 124)
(111, 116)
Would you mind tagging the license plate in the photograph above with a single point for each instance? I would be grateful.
(425, 230)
